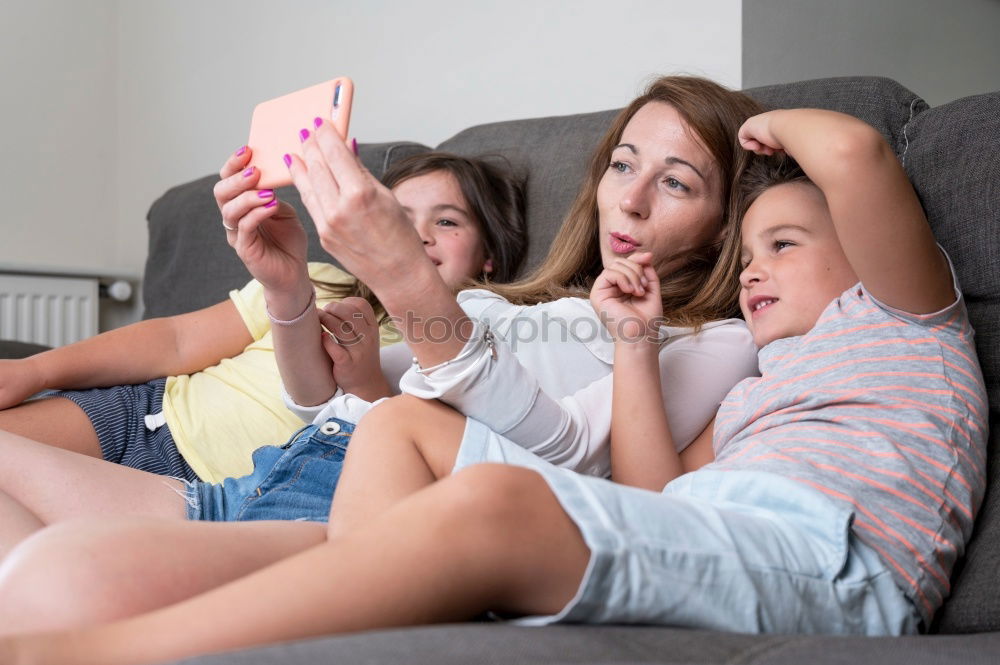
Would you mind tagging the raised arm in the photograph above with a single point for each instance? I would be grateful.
(877, 215)
(271, 242)
(360, 223)
(627, 296)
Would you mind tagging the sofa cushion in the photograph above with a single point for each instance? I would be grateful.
(190, 265)
(608, 645)
(551, 154)
(881, 102)
(12, 349)
(952, 161)
(506, 644)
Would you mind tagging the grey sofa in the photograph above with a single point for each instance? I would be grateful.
(952, 154)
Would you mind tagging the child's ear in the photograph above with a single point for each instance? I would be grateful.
(488, 266)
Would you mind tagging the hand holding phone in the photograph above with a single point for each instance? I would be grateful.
(275, 125)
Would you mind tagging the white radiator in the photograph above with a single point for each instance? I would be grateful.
(48, 310)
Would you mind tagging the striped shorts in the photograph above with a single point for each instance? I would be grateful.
(119, 416)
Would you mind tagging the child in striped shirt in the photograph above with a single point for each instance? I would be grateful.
(863, 442)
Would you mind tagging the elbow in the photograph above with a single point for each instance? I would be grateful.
(858, 147)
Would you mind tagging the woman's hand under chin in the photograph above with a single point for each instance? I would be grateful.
(626, 296)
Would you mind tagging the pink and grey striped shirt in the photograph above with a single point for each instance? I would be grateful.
(882, 411)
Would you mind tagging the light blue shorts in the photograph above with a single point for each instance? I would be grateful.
(295, 481)
(734, 551)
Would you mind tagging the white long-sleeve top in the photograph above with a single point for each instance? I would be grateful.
(542, 377)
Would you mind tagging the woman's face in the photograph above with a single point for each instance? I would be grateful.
(445, 223)
(662, 192)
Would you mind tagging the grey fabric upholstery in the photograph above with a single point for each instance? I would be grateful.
(606, 645)
(551, 153)
(488, 644)
(881, 102)
(951, 154)
(953, 160)
(12, 349)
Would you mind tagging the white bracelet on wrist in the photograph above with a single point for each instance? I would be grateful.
(290, 322)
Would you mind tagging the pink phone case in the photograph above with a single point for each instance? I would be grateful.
(275, 125)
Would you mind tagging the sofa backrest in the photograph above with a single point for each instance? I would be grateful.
(950, 153)
(550, 154)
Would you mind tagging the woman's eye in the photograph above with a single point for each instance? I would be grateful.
(781, 244)
(674, 183)
(621, 167)
(446, 222)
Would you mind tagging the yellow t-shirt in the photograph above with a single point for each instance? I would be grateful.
(220, 415)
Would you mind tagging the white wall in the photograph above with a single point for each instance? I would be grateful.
(58, 133)
(191, 71)
(109, 103)
(939, 50)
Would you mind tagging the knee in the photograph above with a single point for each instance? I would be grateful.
(493, 499)
(388, 413)
(53, 580)
(405, 417)
(385, 422)
(401, 410)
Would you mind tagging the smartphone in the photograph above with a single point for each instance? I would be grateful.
(275, 125)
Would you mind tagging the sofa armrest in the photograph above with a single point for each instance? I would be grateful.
(11, 349)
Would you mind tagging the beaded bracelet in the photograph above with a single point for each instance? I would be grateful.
(290, 322)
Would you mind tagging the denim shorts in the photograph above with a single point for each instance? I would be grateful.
(290, 482)
(737, 551)
(119, 415)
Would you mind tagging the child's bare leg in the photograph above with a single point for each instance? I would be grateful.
(491, 537)
(55, 421)
(56, 485)
(129, 564)
(18, 523)
(94, 571)
(400, 447)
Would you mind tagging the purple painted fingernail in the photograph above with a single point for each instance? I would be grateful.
(317, 122)
(288, 160)
(303, 134)
(273, 203)
(242, 150)
(265, 193)
(248, 172)
(354, 146)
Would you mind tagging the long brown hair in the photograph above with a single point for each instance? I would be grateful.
(495, 198)
(699, 291)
